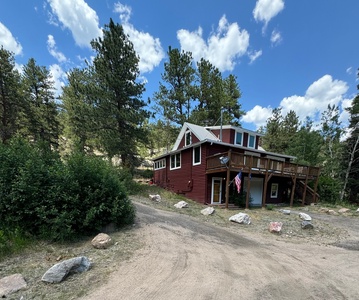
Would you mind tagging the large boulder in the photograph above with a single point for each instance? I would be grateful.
(207, 211)
(11, 284)
(58, 272)
(155, 198)
(343, 210)
(305, 217)
(181, 204)
(241, 218)
(101, 241)
(275, 227)
(307, 225)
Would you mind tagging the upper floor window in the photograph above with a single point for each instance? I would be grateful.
(251, 141)
(197, 155)
(160, 164)
(239, 138)
(188, 138)
(175, 161)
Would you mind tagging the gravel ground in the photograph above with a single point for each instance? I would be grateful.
(340, 231)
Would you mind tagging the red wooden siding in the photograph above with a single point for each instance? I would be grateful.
(189, 179)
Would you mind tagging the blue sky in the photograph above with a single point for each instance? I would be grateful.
(299, 55)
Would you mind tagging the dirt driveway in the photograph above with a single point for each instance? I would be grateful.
(187, 259)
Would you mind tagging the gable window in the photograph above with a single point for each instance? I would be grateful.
(160, 164)
(188, 138)
(239, 138)
(197, 155)
(175, 161)
(274, 190)
(251, 141)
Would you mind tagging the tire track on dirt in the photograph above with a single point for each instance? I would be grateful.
(186, 259)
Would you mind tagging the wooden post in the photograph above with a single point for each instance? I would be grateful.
(293, 187)
(249, 183)
(315, 187)
(264, 196)
(305, 186)
(228, 179)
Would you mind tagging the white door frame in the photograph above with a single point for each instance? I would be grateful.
(220, 190)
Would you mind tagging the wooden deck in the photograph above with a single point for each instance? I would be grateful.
(258, 165)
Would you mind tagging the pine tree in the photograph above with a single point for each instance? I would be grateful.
(11, 103)
(120, 111)
(41, 115)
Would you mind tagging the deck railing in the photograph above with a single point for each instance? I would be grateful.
(249, 163)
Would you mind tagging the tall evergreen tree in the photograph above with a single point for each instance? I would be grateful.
(41, 115)
(176, 95)
(305, 144)
(120, 111)
(11, 102)
(273, 132)
(78, 109)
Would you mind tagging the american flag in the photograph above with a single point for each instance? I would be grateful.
(237, 180)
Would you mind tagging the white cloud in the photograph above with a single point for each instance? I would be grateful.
(349, 70)
(147, 47)
(79, 18)
(59, 77)
(8, 41)
(254, 55)
(316, 99)
(51, 47)
(257, 115)
(275, 38)
(265, 10)
(222, 48)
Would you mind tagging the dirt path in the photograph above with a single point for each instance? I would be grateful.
(186, 259)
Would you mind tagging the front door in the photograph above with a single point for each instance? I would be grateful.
(216, 195)
(256, 190)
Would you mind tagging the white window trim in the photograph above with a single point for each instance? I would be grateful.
(200, 152)
(254, 145)
(242, 134)
(161, 164)
(180, 158)
(274, 188)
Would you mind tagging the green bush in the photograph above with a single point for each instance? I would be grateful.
(329, 189)
(55, 199)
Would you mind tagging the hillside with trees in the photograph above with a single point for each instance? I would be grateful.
(47, 139)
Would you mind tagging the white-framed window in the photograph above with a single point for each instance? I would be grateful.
(188, 140)
(274, 190)
(197, 155)
(251, 141)
(175, 161)
(239, 138)
(160, 164)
